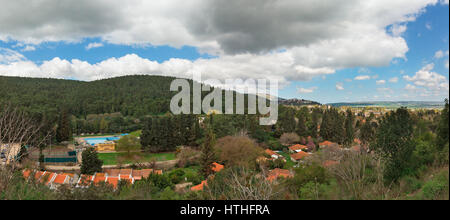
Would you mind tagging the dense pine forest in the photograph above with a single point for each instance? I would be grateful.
(131, 95)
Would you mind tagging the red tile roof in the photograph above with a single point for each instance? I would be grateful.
(146, 173)
(277, 173)
(113, 172)
(60, 179)
(114, 181)
(125, 172)
(200, 186)
(326, 143)
(217, 167)
(298, 147)
(300, 155)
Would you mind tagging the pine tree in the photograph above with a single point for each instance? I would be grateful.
(90, 163)
(349, 130)
(394, 142)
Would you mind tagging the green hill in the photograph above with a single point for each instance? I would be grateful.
(129, 95)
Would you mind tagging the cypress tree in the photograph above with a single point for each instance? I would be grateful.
(349, 130)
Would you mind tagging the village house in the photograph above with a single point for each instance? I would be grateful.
(326, 144)
(273, 175)
(297, 148)
(272, 154)
(299, 156)
(216, 168)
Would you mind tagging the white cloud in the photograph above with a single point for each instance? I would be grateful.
(393, 80)
(302, 39)
(381, 82)
(429, 79)
(9, 56)
(446, 64)
(439, 54)
(339, 86)
(362, 77)
(397, 30)
(28, 48)
(305, 90)
(94, 45)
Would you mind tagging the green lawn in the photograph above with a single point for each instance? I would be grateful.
(111, 158)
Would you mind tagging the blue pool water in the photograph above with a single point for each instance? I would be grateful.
(94, 141)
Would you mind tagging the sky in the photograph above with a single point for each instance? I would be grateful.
(322, 50)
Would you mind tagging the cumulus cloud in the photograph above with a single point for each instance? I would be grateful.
(362, 77)
(306, 90)
(94, 45)
(430, 80)
(303, 39)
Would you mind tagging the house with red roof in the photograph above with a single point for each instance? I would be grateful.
(326, 144)
(217, 167)
(272, 154)
(299, 156)
(278, 173)
(297, 148)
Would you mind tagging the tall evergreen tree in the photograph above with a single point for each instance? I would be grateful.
(394, 142)
(349, 130)
(90, 163)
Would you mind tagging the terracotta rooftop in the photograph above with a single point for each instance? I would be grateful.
(300, 155)
(200, 186)
(298, 147)
(113, 172)
(114, 181)
(326, 143)
(276, 173)
(60, 179)
(217, 167)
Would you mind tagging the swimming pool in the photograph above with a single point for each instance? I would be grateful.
(100, 140)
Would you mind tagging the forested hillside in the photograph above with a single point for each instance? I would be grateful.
(130, 95)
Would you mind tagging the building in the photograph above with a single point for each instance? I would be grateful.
(272, 154)
(326, 144)
(297, 148)
(299, 156)
(277, 173)
(106, 147)
(216, 168)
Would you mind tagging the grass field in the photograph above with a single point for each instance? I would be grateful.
(112, 158)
